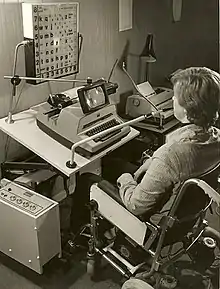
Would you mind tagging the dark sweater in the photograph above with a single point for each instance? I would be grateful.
(189, 152)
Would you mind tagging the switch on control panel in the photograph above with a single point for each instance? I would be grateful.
(22, 197)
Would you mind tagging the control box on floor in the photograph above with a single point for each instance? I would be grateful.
(30, 232)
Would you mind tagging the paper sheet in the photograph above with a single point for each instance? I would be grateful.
(146, 89)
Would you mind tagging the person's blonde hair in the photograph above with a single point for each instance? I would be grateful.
(198, 91)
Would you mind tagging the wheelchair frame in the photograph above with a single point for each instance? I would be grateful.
(166, 223)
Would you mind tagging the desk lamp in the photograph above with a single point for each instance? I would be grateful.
(122, 65)
(16, 79)
(148, 56)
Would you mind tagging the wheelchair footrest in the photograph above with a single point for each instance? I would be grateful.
(118, 262)
(129, 250)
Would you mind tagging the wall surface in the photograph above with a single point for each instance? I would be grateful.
(192, 41)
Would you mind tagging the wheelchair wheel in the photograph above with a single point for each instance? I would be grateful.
(167, 282)
(206, 252)
(134, 283)
(93, 267)
(212, 240)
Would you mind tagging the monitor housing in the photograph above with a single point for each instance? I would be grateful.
(93, 96)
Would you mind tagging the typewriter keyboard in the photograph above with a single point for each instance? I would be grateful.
(102, 127)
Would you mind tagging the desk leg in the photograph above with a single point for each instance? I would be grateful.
(80, 213)
(65, 185)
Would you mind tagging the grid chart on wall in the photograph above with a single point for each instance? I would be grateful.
(53, 29)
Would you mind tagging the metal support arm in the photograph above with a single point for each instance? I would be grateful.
(72, 163)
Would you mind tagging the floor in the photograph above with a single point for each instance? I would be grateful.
(56, 275)
(59, 275)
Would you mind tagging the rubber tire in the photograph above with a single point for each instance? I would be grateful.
(210, 232)
(134, 283)
(94, 267)
(91, 268)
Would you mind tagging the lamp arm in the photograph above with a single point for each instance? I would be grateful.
(25, 42)
(139, 92)
(72, 163)
(86, 81)
(14, 80)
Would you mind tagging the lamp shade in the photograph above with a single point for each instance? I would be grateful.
(148, 54)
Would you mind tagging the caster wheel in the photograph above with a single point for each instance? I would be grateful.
(94, 267)
(91, 268)
(168, 282)
(136, 283)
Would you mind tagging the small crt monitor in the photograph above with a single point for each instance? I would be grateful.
(93, 96)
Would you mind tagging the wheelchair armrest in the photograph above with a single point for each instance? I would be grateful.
(111, 190)
(167, 222)
(213, 194)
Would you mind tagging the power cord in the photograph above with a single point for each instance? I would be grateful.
(80, 50)
(8, 139)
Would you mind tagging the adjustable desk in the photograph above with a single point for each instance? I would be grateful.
(25, 131)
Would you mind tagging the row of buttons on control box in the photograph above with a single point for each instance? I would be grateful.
(19, 201)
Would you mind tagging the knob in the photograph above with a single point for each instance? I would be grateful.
(32, 207)
(12, 198)
(25, 204)
(19, 201)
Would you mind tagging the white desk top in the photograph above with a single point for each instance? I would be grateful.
(25, 131)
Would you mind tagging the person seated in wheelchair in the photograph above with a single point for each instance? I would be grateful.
(190, 151)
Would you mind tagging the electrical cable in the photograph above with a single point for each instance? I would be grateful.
(112, 70)
(80, 50)
(19, 97)
(49, 87)
(7, 142)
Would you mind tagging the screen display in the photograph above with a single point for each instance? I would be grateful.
(95, 97)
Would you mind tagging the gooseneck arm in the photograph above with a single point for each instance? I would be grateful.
(72, 164)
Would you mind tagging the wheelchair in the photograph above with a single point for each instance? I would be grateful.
(143, 249)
